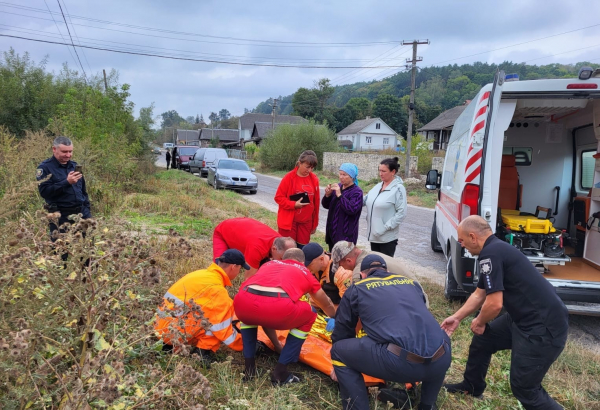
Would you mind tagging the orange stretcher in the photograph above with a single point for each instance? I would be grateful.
(316, 349)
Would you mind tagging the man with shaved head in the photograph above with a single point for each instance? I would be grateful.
(534, 326)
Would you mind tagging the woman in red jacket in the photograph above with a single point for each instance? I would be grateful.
(298, 218)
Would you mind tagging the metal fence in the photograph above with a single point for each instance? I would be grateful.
(236, 153)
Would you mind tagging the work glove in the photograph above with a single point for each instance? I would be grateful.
(330, 324)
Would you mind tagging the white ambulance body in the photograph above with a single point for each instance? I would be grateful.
(545, 133)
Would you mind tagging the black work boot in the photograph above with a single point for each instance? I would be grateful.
(398, 397)
(464, 387)
(249, 369)
(427, 407)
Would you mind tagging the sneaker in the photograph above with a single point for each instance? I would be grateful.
(463, 387)
(292, 378)
(398, 397)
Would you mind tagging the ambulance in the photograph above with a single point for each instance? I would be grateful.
(524, 156)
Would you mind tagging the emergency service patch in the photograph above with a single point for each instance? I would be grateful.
(485, 267)
(39, 172)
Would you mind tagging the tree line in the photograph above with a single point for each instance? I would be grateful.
(438, 89)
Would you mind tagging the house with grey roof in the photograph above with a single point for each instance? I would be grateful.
(437, 131)
(227, 138)
(247, 121)
(188, 137)
(260, 131)
(368, 134)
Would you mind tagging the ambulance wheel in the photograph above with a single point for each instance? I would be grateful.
(435, 244)
(451, 291)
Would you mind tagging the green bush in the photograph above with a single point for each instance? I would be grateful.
(282, 147)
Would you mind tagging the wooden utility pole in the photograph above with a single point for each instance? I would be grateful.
(411, 106)
(105, 83)
(273, 113)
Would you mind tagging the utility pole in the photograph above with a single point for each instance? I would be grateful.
(411, 106)
(105, 83)
(273, 114)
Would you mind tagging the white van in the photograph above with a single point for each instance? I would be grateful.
(521, 155)
(168, 145)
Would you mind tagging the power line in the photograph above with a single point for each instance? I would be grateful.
(74, 49)
(101, 42)
(345, 74)
(514, 45)
(190, 59)
(59, 32)
(76, 36)
(269, 43)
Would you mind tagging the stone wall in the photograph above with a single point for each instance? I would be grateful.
(368, 164)
(437, 163)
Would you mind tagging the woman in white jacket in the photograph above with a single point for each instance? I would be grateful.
(386, 208)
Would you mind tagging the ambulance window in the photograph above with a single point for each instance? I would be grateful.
(587, 165)
(522, 155)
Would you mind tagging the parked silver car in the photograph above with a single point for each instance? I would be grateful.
(232, 174)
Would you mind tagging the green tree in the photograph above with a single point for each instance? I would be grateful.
(171, 119)
(388, 108)
(214, 119)
(145, 121)
(224, 114)
(305, 103)
(361, 107)
(280, 149)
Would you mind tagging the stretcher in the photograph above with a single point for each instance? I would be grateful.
(316, 350)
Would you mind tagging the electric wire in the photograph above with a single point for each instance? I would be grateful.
(192, 59)
(76, 36)
(102, 42)
(59, 32)
(74, 49)
(275, 45)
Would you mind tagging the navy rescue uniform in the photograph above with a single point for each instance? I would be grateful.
(59, 194)
(534, 326)
(404, 342)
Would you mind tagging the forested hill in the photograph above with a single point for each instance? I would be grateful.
(438, 89)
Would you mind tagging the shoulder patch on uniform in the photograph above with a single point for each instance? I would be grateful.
(39, 172)
(485, 266)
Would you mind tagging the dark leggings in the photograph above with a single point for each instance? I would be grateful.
(388, 248)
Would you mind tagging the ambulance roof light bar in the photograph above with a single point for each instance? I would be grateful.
(511, 77)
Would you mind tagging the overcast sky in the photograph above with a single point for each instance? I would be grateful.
(220, 30)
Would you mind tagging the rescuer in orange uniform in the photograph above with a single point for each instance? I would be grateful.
(198, 311)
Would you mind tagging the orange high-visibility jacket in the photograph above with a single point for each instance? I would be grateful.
(206, 288)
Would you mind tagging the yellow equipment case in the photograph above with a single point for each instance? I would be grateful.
(526, 223)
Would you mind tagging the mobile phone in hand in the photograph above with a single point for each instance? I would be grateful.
(79, 168)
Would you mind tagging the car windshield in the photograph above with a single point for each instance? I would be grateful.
(238, 165)
(187, 150)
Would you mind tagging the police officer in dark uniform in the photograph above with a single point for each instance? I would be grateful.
(64, 191)
(404, 342)
(534, 326)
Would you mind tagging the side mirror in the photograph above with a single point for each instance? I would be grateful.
(433, 179)
(252, 170)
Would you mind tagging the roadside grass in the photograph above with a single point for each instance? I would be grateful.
(143, 260)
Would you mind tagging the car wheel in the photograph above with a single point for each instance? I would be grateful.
(215, 183)
(435, 244)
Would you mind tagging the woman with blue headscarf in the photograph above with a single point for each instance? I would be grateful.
(344, 202)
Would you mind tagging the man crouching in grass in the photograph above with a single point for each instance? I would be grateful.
(198, 312)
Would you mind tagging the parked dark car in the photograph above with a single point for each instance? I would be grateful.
(232, 174)
(183, 155)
